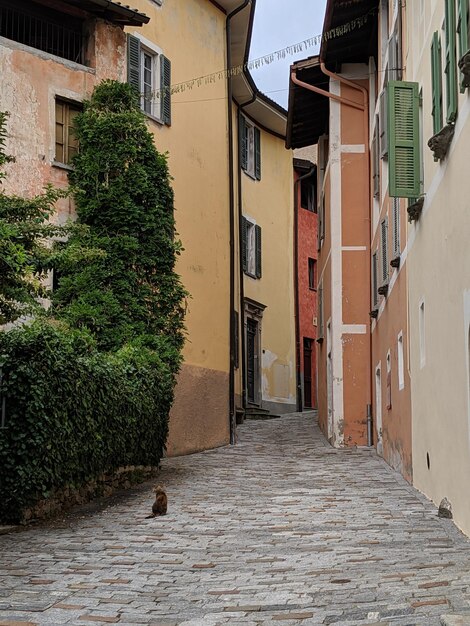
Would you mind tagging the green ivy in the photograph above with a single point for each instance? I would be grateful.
(127, 286)
(73, 412)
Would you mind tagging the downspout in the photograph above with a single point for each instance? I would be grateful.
(241, 273)
(228, 33)
(365, 109)
(296, 285)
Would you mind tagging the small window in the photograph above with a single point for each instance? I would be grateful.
(384, 250)
(251, 248)
(308, 198)
(312, 274)
(66, 144)
(250, 148)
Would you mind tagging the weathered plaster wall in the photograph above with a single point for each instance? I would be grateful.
(269, 203)
(191, 33)
(307, 228)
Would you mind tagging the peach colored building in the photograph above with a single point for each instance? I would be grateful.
(338, 102)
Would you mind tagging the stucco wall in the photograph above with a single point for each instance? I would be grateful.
(191, 33)
(269, 203)
(439, 276)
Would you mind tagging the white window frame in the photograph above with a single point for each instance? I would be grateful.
(250, 148)
(250, 247)
(149, 48)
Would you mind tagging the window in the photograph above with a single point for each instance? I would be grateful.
(384, 251)
(312, 274)
(321, 221)
(250, 148)
(450, 61)
(383, 134)
(251, 248)
(436, 75)
(320, 328)
(375, 294)
(375, 161)
(66, 144)
(463, 30)
(401, 363)
(149, 72)
(384, 24)
(43, 28)
(308, 198)
(395, 208)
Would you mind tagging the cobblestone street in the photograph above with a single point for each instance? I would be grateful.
(279, 529)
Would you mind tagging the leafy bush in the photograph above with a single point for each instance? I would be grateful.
(73, 412)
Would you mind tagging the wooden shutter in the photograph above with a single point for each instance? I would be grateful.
(244, 244)
(133, 62)
(436, 75)
(375, 163)
(257, 154)
(396, 227)
(403, 139)
(165, 89)
(384, 251)
(258, 250)
(451, 61)
(383, 139)
(243, 145)
(462, 29)
(375, 295)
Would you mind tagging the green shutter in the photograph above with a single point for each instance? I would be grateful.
(403, 139)
(258, 250)
(165, 87)
(243, 147)
(436, 74)
(244, 244)
(133, 62)
(257, 154)
(451, 61)
(462, 29)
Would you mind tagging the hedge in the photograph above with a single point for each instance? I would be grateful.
(73, 412)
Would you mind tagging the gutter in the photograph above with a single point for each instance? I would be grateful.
(232, 421)
(122, 10)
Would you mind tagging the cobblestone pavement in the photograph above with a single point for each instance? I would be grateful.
(279, 529)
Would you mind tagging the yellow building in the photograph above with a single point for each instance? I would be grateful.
(158, 46)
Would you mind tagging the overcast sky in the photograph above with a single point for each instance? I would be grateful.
(280, 23)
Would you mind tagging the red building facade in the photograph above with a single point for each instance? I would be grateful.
(306, 253)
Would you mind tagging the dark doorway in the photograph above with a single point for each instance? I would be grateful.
(308, 374)
(252, 360)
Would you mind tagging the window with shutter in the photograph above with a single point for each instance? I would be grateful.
(403, 139)
(375, 295)
(384, 251)
(320, 329)
(393, 57)
(395, 227)
(250, 148)
(133, 62)
(244, 228)
(321, 221)
(451, 61)
(462, 29)
(258, 251)
(375, 163)
(66, 143)
(165, 89)
(383, 138)
(436, 76)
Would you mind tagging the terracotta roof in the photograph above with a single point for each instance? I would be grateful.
(113, 11)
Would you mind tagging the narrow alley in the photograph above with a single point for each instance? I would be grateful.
(280, 528)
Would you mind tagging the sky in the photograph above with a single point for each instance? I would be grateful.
(278, 24)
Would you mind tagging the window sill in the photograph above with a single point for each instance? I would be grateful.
(313, 289)
(157, 120)
(62, 166)
(251, 275)
(250, 175)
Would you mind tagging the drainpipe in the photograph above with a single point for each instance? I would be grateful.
(365, 109)
(228, 32)
(241, 273)
(296, 284)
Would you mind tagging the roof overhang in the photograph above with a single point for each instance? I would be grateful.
(359, 42)
(111, 11)
(262, 110)
(308, 111)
